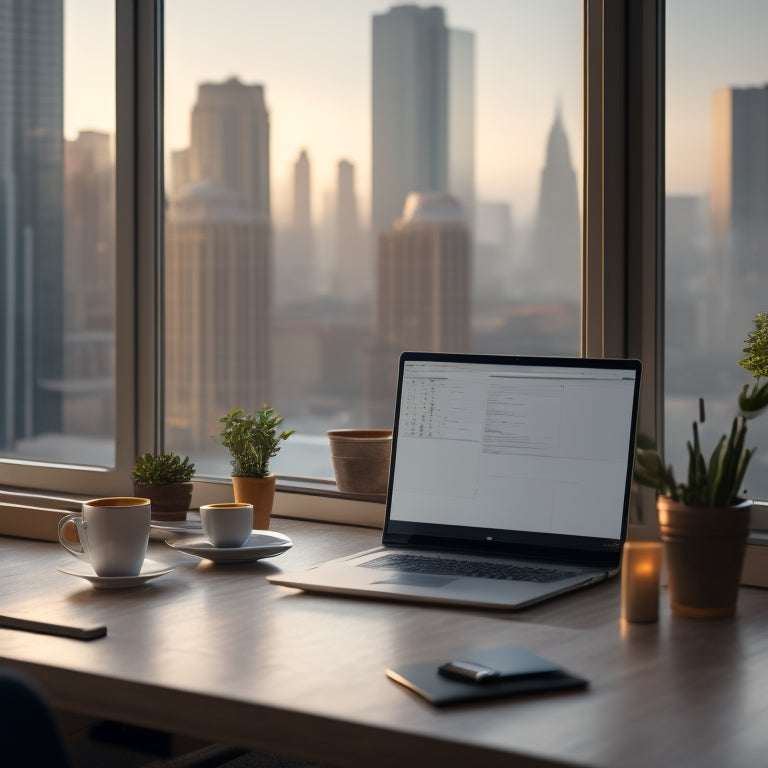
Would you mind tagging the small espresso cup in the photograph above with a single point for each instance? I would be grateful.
(113, 534)
(228, 524)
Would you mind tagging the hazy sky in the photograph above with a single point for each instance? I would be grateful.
(711, 44)
(313, 57)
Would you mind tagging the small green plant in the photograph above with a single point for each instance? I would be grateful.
(756, 362)
(162, 469)
(717, 482)
(710, 484)
(252, 440)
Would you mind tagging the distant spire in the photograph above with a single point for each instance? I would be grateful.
(557, 232)
(558, 153)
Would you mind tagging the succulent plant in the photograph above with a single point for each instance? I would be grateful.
(717, 482)
(252, 440)
(162, 469)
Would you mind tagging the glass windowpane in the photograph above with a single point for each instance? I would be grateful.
(57, 242)
(347, 182)
(716, 219)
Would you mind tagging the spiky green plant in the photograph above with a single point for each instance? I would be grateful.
(162, 469)
(716, 483)
(252, 440)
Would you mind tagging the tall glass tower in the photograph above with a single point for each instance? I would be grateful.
(422, 110)
(739, 201)
(31, 233)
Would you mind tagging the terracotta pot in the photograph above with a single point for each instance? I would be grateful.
(169, 502)
(704, 549)
(259, 491)
(361, 459)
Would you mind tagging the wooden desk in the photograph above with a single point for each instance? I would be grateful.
(216, 652)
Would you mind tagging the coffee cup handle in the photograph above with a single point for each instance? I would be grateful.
(80, 525)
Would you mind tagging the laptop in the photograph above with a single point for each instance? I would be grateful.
(509, 482)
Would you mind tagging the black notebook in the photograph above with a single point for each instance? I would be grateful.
(519, 672)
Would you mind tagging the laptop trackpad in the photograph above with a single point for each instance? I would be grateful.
(416, 580)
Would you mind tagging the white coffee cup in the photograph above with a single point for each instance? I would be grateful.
(228, 524)
(113, 533)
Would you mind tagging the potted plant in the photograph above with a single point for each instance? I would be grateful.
(164, 479)
(704, 521)
(252, 440)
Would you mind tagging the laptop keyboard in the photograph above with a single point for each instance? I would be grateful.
(440, 566)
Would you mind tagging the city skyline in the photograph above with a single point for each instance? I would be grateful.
(328, 116)
(204, 42)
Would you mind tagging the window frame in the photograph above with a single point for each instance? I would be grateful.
(130, 75)
(622, 275)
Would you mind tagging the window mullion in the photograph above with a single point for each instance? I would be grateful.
(623, 196)
(149, 226)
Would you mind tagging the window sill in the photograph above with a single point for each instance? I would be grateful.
(306, 500)
(35, 515)
(27, 514)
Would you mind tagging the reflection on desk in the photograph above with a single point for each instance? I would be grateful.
(218, 653)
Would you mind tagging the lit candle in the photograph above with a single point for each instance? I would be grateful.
(640, 581)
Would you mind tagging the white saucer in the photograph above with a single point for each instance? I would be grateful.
(260, 544)
(151, 569)
(161, 529)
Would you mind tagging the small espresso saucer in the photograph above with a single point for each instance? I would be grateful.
(261, 544)
(161, 530)
(151, 569)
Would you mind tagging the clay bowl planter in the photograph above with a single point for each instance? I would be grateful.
(169, 502)
(704, 549)
(260, 492)
(361, 459)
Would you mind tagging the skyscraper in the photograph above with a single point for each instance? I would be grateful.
(422, 110)
(739, 197)
(461, 121)
(89, 282)
(557, 233)
(352, 268)
(90, 233)
(179, 170)
(302, 204)
(295, 267)
(219, 266)
(217, 311)
(423, 291)
(230, 141)
(31, 233)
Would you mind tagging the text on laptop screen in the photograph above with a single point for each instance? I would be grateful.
(524, 448)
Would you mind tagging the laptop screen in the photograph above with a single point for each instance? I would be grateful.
(514, 455)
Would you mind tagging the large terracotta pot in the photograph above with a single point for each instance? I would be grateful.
(361, 459)
(169, 502)
(704, 549)
(259, 491)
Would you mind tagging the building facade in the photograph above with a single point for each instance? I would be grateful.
(352, 270)
(31, 219)
(219, 283)
(230, 141)
(217, 312)
(739, 201)
(423, 291)
(422, 110)
(295, 260)
(89, 282)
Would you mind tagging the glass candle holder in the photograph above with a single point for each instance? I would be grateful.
(640, 569)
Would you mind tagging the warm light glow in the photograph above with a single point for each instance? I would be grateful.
(640, 581)
(645, 568)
